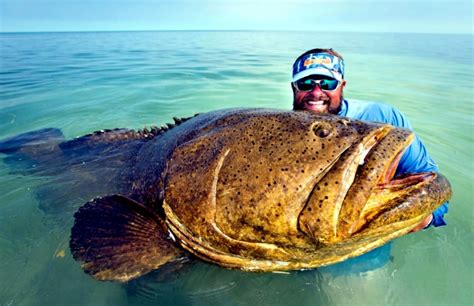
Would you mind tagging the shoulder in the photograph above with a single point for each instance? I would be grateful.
(376, 111)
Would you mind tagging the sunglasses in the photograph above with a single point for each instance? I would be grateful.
(310, 84)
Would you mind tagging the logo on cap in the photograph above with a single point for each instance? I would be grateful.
(317, 60)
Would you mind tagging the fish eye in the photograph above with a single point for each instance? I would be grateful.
(321, 131)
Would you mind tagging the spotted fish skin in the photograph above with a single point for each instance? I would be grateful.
(274, 190)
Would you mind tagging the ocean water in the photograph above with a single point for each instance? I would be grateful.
(82, 82)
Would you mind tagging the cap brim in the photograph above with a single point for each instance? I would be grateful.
(317, 71)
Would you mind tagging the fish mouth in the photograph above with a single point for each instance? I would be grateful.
(390, 192)
(390, 182)
(407, 180)
(367, 186)
(392, 167)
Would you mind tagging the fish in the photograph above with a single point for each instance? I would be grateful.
(261, 190)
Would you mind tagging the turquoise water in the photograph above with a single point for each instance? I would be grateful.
(81, 82)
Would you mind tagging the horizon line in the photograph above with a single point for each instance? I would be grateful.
(228, 30)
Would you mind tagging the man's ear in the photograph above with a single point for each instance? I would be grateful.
(343, 83)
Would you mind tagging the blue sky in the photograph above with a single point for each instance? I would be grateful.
(420, 16)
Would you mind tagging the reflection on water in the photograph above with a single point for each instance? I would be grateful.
(81, 82)
(205, 284)
(198, 283)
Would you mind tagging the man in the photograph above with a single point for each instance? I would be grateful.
(318, 84)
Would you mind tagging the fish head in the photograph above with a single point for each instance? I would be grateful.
(360, 197)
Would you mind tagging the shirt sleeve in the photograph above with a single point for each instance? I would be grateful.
(416, 159)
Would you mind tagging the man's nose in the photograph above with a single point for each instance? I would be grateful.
(317, 90)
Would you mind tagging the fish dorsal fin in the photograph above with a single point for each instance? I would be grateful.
(116, 238)
(117, 135)
(112, 136)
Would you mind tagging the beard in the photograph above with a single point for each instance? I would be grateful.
(336, 110)
(331, 109)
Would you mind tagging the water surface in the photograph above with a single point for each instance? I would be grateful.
(81, 82)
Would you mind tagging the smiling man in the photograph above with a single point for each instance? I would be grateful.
(318, 84)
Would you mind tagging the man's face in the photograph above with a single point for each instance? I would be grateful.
(318, 100)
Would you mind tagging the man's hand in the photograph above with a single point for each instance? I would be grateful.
(423, 224)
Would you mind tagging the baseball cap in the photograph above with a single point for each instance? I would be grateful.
(318, 63)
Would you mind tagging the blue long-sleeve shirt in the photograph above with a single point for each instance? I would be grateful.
(415, 159)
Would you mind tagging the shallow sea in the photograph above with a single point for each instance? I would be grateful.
(81, 82)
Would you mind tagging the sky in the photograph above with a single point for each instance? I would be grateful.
(413, 16)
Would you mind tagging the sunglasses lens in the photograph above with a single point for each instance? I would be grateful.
(305, 85)
(328, 84)
(309, 84)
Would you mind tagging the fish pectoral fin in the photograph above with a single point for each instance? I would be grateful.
(116, 238)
